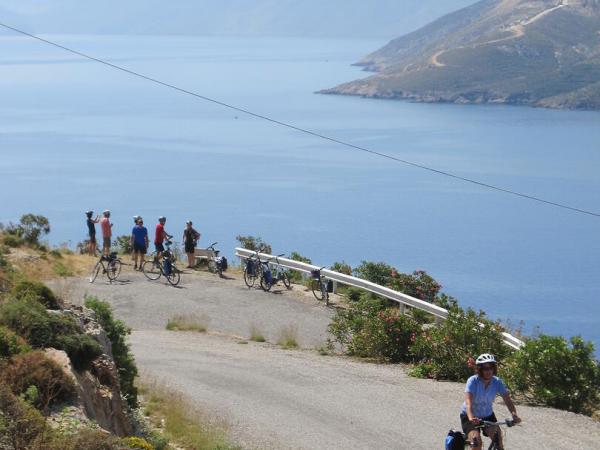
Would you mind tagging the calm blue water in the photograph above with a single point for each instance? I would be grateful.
(75, 135)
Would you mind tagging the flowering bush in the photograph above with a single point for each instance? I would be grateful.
(369, 329)
(557, 373)
(443, 351)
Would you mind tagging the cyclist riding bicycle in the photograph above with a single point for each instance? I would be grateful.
(480, 393)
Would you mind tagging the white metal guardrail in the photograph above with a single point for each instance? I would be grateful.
(399, 297)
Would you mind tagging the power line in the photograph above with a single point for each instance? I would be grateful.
(305, 131)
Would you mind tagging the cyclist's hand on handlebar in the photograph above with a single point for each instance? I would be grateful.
(516, 419)
(476, 421)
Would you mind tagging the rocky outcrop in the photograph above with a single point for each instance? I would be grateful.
(98, 394)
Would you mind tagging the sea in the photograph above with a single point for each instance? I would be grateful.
(77, 135)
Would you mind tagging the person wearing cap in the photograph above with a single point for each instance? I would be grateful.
(480, 393)
(136, 219)
(139, 242)
(106, 227)
(91, 224)
(190, 239)
(160, 236)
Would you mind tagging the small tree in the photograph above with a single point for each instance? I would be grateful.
(378, 273)
(123, 244)
(32, 227)
(254, 243)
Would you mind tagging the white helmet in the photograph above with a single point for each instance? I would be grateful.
(485, 358)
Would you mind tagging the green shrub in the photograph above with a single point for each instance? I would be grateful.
(62, 270)
(254, 243)
(378, 273)
(55, 253)
(342, 267)
(137, 443)
(295, 276)
(32, 227)
(123, 244)
(117, 332)
(11, 344)
(21, 425)
(418, 284)
(556, 372)
(53, 385)
(443, 350)
(37, 290)
(29, 319)
(12, 241)
(370, 329)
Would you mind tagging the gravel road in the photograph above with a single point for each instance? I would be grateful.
(280, 399)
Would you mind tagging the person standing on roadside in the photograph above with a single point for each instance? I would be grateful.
(91, 224)
(106, 227)
(139, 242)
(160, 236)
(190, 239)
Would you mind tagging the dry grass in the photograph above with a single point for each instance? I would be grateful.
(191, 322)
(256, 334)
(47, 266)
(288, 337)
(180, 420)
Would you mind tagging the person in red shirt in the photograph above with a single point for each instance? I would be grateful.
(106, 227)
(160, 236)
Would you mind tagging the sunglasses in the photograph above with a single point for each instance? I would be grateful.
(487, 368)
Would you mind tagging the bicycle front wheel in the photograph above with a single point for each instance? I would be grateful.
(95, 272)
(174, 277)
(286, 280)
(151, 269)
(315, 286)
(113, 270)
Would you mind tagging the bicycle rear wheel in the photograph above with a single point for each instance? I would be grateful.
(151, 269)
(212, 266)
(315, 286)
(264, 284)
(174, 277)
(95, 272)
(113, 270)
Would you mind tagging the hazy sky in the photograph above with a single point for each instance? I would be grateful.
(360, 18)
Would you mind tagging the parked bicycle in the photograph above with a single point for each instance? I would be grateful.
(216, 264)
(319, 285)
(272, 274)
(457, 440)
(110, 265)
(252, 269)
(154, 268)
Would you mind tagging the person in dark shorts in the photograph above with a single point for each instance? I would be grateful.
(106, 227)
(160, 236)
(91, 224)
(190, 239)
(480, 393)
(139, 242)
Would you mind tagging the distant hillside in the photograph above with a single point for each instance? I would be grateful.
(539, 53)
(344, 18)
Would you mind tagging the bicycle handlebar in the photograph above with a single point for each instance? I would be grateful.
(508, 422)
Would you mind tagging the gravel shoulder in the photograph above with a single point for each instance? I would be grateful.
(297, 399)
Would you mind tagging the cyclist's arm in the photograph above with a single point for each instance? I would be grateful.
(469, 403)
(511, 407)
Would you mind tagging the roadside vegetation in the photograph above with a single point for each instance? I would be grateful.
(547, 370)
(35, 390)
(191, 322)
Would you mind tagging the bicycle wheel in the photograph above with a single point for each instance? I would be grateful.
(151, 269)
(113, 270)
(250, 278)
(264, 284)
(95, 272)
(315, 286)
(212, 266)
(174, 277)
(286, 280)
